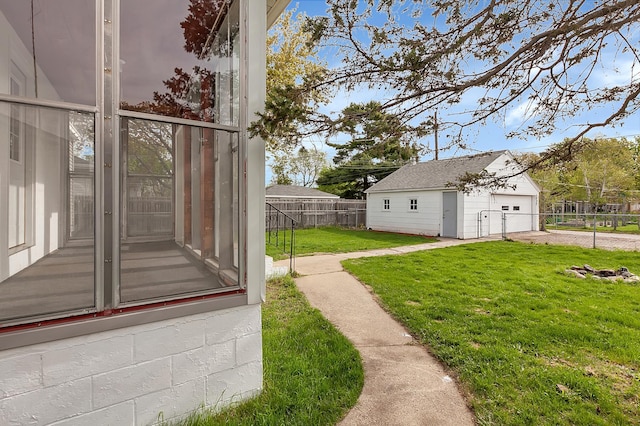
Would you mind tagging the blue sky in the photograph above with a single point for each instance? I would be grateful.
(490, 136)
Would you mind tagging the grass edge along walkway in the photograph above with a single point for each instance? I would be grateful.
(310, 241)
(531, 345)
(312, 374)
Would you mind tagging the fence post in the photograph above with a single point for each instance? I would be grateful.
(595, 220)
(504, 226)
(269, 226)
(292, 254)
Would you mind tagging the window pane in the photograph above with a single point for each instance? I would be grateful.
(81, 171)
(53, 46)
(46, 246)
(149, 178)
(188, 66)
(179, 204)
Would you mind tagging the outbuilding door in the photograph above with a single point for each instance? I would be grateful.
(450, 214)
(518, 211)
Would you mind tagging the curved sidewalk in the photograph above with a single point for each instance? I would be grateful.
(404, 384)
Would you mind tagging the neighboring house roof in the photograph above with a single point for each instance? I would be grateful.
(435, 174)
(290, 191)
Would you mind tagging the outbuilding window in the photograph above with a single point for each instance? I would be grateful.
(413, 204)
(505, 208)
(385, 204)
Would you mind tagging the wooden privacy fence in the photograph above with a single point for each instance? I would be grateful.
(318, 213)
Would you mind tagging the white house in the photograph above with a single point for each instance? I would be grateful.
(421, 199)
(131, 208)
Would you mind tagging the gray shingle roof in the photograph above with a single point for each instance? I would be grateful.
(436, 173)
(290, 191)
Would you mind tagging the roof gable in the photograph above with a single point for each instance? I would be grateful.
(435, 174)
(274, 10)
(290, 191)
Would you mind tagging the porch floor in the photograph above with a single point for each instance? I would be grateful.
(64, 280)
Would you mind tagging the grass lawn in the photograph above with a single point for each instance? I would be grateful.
(312, 374)
(621, 229)
(338, 240)
(530, 345)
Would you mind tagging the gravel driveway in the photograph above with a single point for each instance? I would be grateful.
(603, 240)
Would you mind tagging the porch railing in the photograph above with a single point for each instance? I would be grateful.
(281, 232)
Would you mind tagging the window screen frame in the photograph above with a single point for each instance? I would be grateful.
(108, 313)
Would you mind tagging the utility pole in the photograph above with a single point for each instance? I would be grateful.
(435, 131)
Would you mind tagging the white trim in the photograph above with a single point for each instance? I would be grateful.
(48, 104)
(176, 120)
(275, 11)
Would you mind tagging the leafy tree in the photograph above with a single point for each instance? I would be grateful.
(481, 60)
(301, 168)
(292, 59)
(635, 154)
(379, 145)
(549, 180)
(345, 189)
(604, 171)
(292, 63)
(308, 164)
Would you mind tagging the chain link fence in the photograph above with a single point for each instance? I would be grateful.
(611, 231)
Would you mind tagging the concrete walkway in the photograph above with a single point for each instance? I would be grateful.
(404, 384)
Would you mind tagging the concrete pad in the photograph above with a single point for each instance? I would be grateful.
(309, 265)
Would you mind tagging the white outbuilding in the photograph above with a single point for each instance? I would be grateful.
(422, 199)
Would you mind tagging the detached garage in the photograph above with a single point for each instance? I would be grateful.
(422, 199)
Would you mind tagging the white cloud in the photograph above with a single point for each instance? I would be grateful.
(618, 73)
(520, 114)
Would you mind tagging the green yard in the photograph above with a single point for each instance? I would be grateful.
(529, 344)
(312, 374)
(338, 240)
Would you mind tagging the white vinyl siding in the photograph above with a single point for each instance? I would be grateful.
(519, 217)
(423, 221)
(479, 213)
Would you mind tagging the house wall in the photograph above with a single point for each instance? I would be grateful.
(45, 130)
(426, 220)
(472, 205)
(133, 375)
(165, 369)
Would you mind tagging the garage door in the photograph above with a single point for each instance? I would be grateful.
(518, 211)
